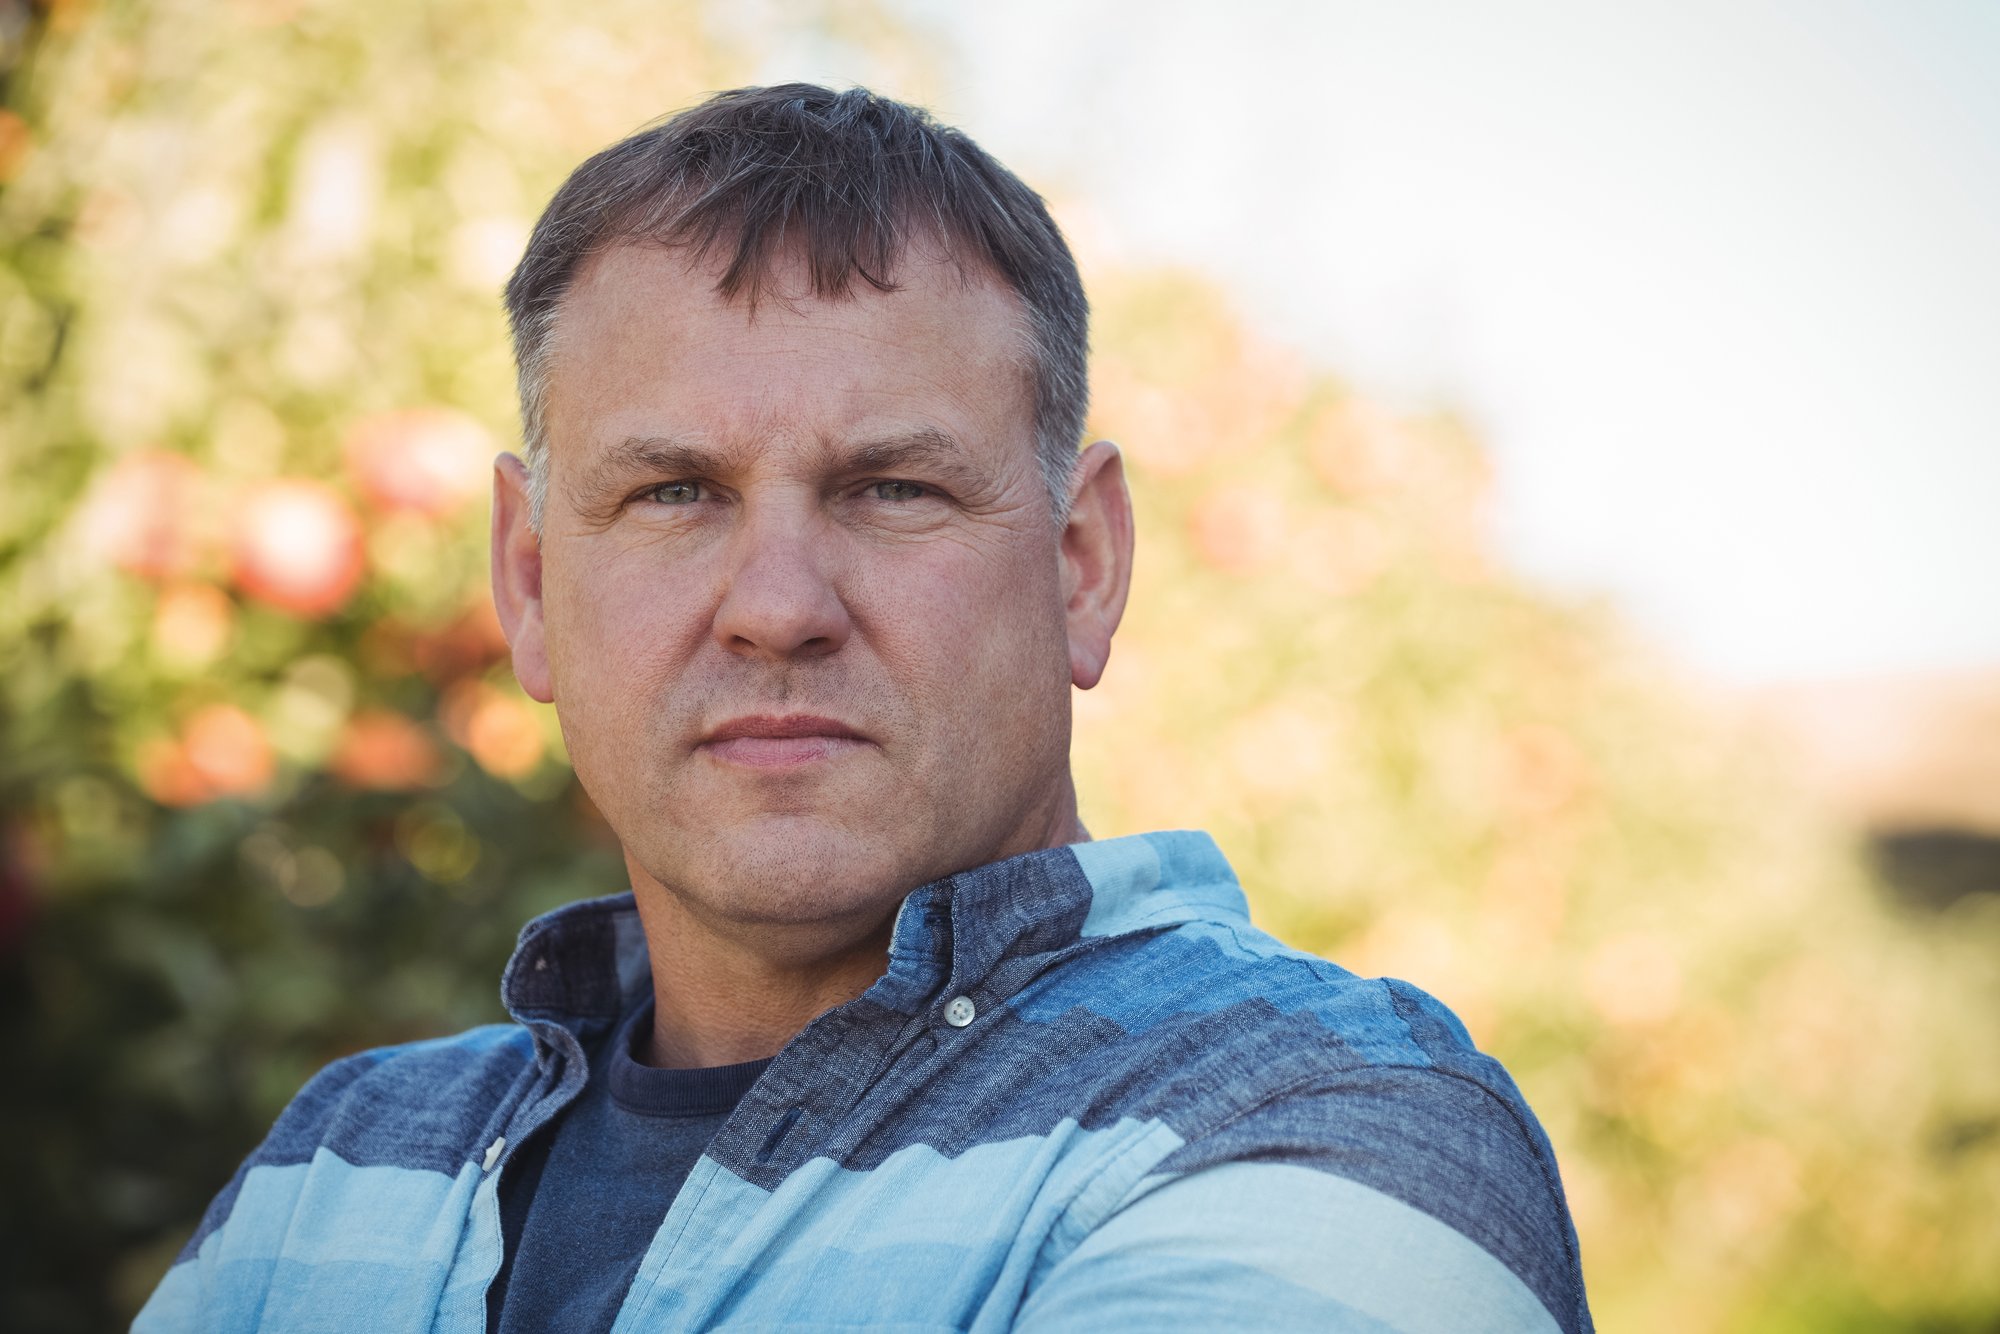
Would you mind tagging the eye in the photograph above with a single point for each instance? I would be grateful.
(676, 493)
(898, 491)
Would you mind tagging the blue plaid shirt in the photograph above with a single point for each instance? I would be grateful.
(1086, 1095)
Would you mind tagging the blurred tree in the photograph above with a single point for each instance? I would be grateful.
(268, 793)
(1776, 1104)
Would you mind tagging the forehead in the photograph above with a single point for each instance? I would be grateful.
(646, 344)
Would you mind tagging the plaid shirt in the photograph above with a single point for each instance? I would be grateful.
(1086, 1095)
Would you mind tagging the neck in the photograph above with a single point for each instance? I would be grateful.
(721, 999)
(727, 992)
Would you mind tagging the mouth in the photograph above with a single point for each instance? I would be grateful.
(765, 741)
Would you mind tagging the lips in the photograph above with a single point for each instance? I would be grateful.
(767, 741)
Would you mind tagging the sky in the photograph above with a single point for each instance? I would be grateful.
(1719, 284)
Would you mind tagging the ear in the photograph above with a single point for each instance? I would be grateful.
(517, 578)
(1096, 559)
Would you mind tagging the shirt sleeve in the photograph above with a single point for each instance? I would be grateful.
(357, 1195)
(186, 1298)
(1383, 1199)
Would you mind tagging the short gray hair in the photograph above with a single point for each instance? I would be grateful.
(844, 178)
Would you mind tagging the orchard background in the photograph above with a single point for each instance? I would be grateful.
(269, 794)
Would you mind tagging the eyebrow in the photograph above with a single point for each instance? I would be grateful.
(654, 454)
(664, 456)
(925, 445)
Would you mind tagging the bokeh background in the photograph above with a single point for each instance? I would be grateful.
(268, 792)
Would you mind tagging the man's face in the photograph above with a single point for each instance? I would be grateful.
(803, 598)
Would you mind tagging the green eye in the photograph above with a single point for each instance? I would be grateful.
(676, 493)
(898, 491)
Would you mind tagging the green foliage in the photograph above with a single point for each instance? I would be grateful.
(268, 794)
(256, 815)
(1767, 1092)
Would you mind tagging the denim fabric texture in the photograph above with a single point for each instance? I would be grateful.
(1156, 1117)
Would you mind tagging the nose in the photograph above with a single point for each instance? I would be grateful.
(779, 600)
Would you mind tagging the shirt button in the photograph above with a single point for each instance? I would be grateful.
(959, 1012)
(493, 1152)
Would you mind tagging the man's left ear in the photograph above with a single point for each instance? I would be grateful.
(1096, 559)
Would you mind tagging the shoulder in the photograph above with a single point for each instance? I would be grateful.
(416, 1106)
(1457, 1167)
(1284, 1016)
(1167, 935)
(1319, 1101)
(404, 1104)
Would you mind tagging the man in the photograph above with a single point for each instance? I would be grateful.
(804, 553)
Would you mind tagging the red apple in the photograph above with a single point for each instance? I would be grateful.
(429, 460)
(297, 546)
(142, 513)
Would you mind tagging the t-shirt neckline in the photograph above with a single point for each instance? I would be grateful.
(649, 1090)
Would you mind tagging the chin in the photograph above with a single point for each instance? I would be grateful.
(794, 870)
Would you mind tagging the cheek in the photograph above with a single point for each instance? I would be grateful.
(608, 625)
(980, 635)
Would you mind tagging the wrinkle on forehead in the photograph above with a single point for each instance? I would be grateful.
(787, 282)
(902, 383)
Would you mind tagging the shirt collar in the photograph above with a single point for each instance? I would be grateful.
(587, 961)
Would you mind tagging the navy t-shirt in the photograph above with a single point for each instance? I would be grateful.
(581, 1201)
